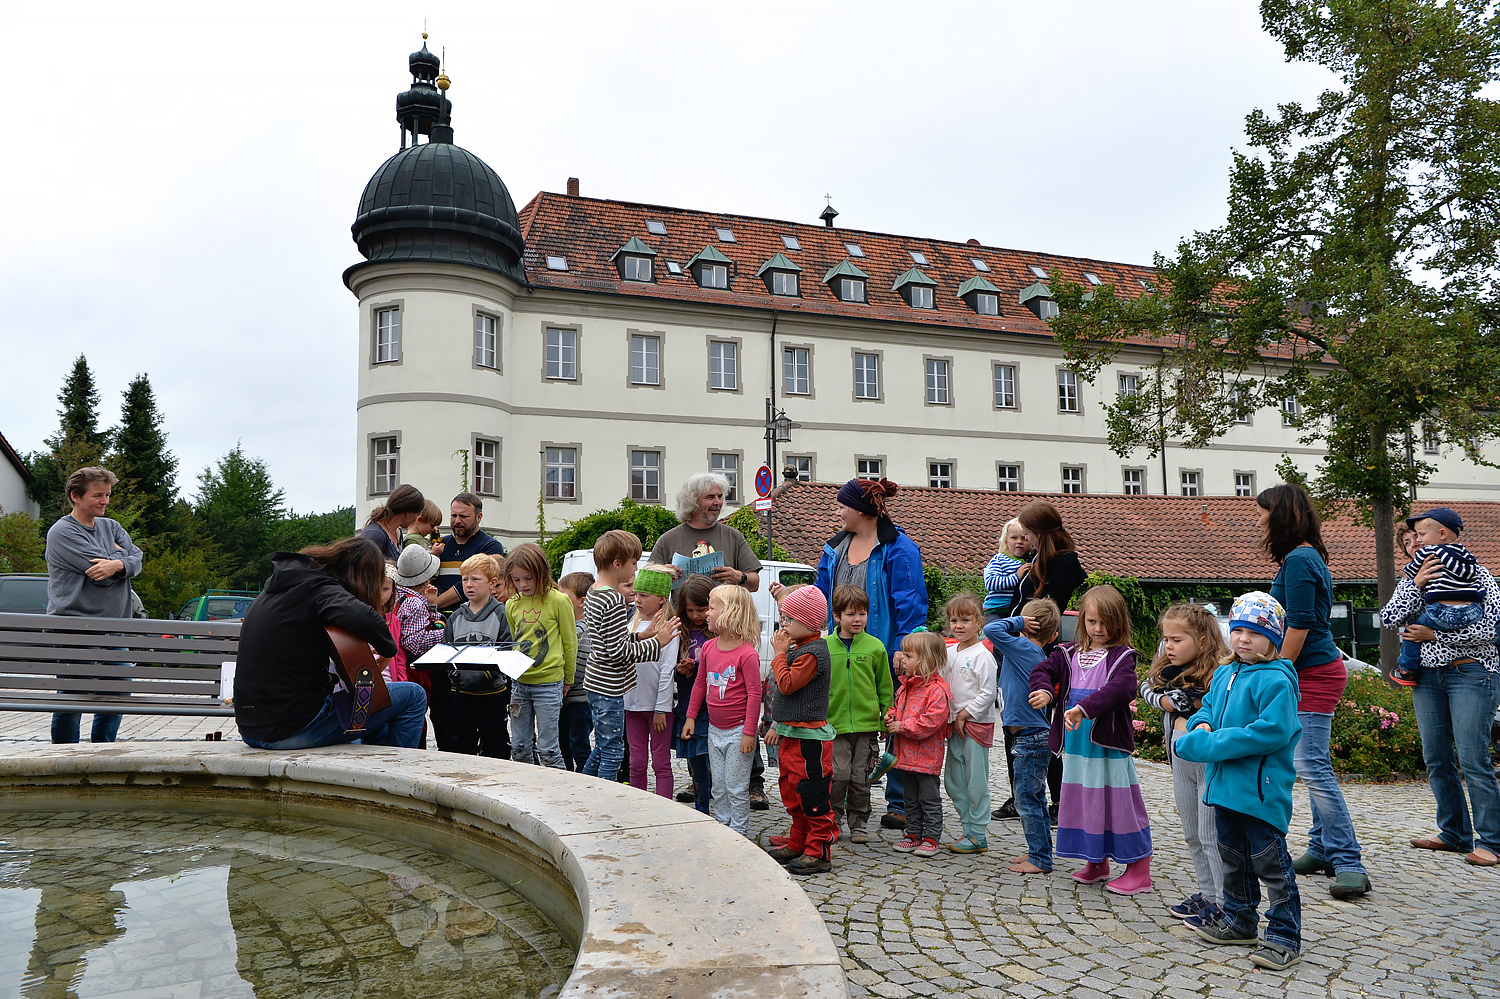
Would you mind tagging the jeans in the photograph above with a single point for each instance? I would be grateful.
(703, 781)
(1254, 852)
(894, 793)
(1454, 707)
(731, 777)
(66, 724)
(1331, 837)
(608, 714)
(1439, 617)
(401, 724)
(1032, 758)
(535, 708)
(574, 724)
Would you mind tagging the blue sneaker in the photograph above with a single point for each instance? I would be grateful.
(1213, 928)
(886, 765)
(1190, 906)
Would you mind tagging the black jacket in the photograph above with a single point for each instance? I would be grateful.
(281, 677)
(1064, 576)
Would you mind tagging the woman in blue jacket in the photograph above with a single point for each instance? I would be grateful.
(872, 553)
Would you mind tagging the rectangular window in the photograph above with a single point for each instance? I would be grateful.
(937, 382)
(921, 296)
(723, 365)
(987, 303)
(562, 354)
(1072, 479)
(803, 464)
(556, 263)
(1038, 271)
(851, 290)
(869, 468)
(387, 336)
(637, 268)
(867, 376)
(1008, 478)
(1430, 441)
(854, 250)
(560, 476)
(1191, 482)
(1130, 385)
(790, 242)
(798, 367)
(1067, 391)
(486, 456)
(1135, 481)
(645, 476)
(385, 460)
(784, 283)
(1005, 386)
(727, 465)
(1240, 395)
(486, 346)
(645, 359)
(1291, 409)
(1046, 308)
(979, 265)
(940, 474)
(725, 235)
(1244, 483)
(713, 276)
(656, 227)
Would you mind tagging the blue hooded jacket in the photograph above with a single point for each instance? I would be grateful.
(893, 582)
(1251, 709)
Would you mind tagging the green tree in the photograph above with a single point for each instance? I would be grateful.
(171, 577)
(646, 522)
(78, 442)
(296, 531)
(147, 470)
(239, 506)
(22, 548)
(1353, 273)
(747, 522)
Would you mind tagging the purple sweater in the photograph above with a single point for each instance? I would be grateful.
(1109, 706)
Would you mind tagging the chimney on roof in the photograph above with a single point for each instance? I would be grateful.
(975, 242)
(572, 187)
(829, 214)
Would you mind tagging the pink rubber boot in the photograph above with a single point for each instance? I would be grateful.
(1092, 872)
(1135, 880)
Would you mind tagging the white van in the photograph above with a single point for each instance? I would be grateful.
(785, 573)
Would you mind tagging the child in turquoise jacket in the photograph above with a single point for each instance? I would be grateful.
(1246, 732)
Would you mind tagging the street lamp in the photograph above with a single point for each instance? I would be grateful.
(778, 431)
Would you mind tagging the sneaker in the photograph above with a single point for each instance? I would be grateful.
(1190, 906)
(927, 848)
(1006, 811)
(1404, 677)
(808, 864)
(905, 845)
(893, 820)
(859, 835)
(967, 845)
(782, 855)
(1275, 957)
(688, 795)
(1215, 930)
(1308, 864)
(758, 799)
(886, 765)
(1349, 884)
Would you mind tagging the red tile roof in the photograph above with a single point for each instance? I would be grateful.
(588, 231)
(1201, 539)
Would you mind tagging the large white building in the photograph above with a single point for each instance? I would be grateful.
(583, 350)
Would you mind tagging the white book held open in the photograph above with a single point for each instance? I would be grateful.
(508, 661)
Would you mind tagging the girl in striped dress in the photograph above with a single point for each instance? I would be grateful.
(1101, 816)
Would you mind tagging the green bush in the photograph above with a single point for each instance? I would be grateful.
(942, 586)
(747, 522)
(646, 522)
(22, 547)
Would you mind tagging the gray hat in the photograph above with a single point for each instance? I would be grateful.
(416, 566)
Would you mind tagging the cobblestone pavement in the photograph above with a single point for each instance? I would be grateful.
(965, 926)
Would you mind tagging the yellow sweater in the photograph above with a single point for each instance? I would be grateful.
(542, 627)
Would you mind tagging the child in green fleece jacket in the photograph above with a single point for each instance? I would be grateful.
(860, 693)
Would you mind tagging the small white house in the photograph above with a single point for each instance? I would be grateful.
(14, 477)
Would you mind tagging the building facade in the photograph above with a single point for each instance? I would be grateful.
(584, 350)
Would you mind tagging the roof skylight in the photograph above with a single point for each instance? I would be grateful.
(854, 250)
(979, 265)
(1144, 284)
(790, 242)
(725, 235)
(557, 263)
(673, 267)
(656, 228)
(918, 257)
(1091, 277)
(1038, 272)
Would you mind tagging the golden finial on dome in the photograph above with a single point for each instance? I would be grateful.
(442, 80)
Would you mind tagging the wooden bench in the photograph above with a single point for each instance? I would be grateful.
(135, 666)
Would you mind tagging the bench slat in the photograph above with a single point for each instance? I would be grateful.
(110, 685)
(43, 654)
(197, 674)
(118, 705)
(117, 625)
(154, 642)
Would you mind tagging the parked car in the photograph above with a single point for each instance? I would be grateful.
(217, 605)
(785, 573)
(23, 593)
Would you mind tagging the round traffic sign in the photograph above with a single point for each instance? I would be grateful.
(763, 481)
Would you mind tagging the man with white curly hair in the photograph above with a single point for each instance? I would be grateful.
(699, 503)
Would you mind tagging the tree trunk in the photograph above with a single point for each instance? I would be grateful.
(1384, 512)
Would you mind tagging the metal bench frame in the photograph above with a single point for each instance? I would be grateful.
(122, 665)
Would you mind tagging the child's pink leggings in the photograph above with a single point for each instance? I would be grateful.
(638, 732)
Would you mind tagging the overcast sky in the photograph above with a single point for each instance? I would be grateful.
(181, 178)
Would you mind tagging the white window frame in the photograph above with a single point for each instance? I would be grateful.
(728, 464)
(565, 367)
(1291, 409)
(1068, 391)
(385, 463)
(942, 473)
(563, 460)
(937, 373)
(851, 290)
(805, 464)
(1003, 482)
(1129, 384)
(869, 466)
(986, 303)
(645, 473)
(1079, 479)
(484, 463)
(714, 276)
(632, 265)
(1190, 481)
(794, 381)
(922, 296)
(784, 283)
(486, 341)
(875, 357)
(724, 365)
(1247, 485)
(1133, 481)
(1004, 397)
(646, 373)
(385, 337)
(1431, 442)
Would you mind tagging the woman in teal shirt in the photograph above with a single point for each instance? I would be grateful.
(1292, 535)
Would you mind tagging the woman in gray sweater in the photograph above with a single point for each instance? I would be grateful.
(90, 562)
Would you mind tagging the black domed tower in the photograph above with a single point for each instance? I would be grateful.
(437, 288)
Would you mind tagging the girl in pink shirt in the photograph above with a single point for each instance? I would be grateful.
(729, 681)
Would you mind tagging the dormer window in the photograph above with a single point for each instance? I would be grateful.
(847, 281)
(1038, 298)
(780, 275)
(634, 261)
(710, 268)
(981, 296)
(917, 288)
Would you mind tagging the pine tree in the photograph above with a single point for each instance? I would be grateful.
(78, 442)
(240, 505)
(147, 470)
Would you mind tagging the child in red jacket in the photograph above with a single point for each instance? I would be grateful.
(918, 721)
